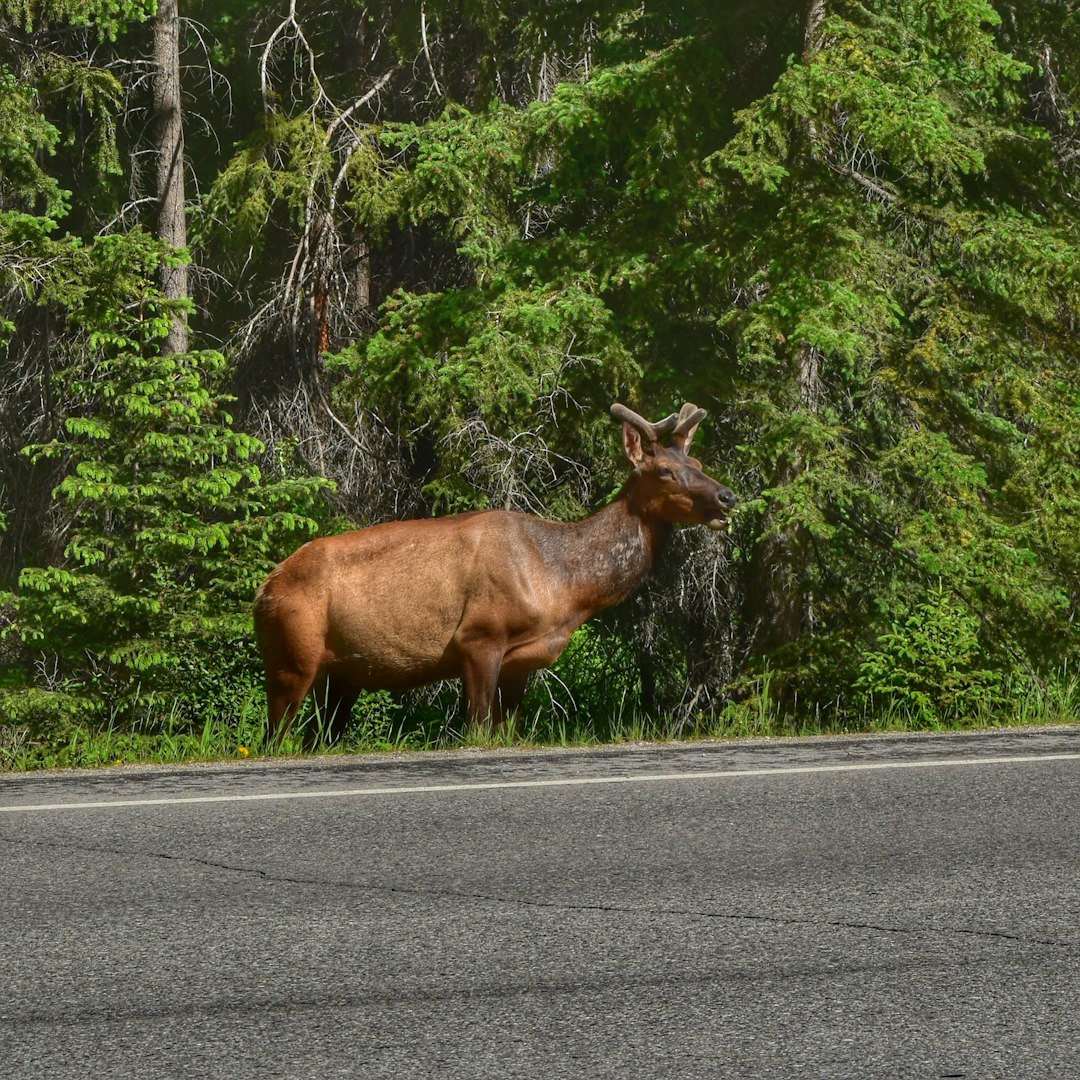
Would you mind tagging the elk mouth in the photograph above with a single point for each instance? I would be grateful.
(719, 523)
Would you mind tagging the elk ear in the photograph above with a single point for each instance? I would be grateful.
(634, 445)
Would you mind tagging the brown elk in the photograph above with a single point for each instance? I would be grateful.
(487, 597)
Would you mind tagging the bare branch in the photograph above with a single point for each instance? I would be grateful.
(427, 52)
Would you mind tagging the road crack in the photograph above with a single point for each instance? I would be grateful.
(662, 911)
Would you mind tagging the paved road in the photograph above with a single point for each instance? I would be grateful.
(884, 908)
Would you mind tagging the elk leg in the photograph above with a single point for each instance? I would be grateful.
(479, 682)
(285, 693)
(511, 692)
(340, 698)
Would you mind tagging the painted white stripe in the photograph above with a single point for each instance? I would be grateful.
(584, 781)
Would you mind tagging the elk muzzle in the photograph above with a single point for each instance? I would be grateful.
(716, 516)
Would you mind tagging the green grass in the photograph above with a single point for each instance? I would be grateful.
(431, 721)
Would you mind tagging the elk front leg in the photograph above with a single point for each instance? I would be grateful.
(511, 692)
(479, 680)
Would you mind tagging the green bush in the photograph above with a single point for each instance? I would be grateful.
(932, 666)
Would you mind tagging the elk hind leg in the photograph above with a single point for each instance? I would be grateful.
(334, 698)
(285, 693)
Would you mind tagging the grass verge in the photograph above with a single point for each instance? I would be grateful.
(430, 721)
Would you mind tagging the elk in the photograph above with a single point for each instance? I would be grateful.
(486, 597)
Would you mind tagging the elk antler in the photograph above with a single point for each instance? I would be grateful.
(653, 432)
(688, 419)
(680, 426)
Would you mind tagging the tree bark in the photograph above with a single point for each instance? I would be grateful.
(780, 602)
(815, 17)
(172, 224)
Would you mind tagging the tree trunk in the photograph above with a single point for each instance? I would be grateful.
(781, 603)
(172, 226)
(815, 17)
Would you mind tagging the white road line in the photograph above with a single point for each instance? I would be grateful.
(585, 781)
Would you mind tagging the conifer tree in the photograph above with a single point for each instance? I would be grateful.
(171, 165)
(845, 228)
(159, 521)
(439, 239)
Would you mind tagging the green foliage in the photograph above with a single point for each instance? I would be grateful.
(25, 135)
(932, 666)
(488, 360)
(597, 679)
(169, 524)
(462, 173)
(856, 243)
(278, 168)
(107, 17)
(59, 103)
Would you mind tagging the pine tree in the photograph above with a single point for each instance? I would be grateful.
(169, 524)
(847, 229)
(141, 521)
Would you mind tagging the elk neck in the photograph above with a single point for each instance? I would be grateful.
(608, 554)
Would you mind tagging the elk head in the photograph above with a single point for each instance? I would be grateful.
(668, 483)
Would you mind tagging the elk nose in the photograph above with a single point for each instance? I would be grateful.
(726, 497)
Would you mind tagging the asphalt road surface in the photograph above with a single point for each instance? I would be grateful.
(887, 908)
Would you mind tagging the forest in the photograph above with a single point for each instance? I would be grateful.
(277, 270)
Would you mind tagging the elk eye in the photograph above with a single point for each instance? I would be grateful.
(664, 473)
